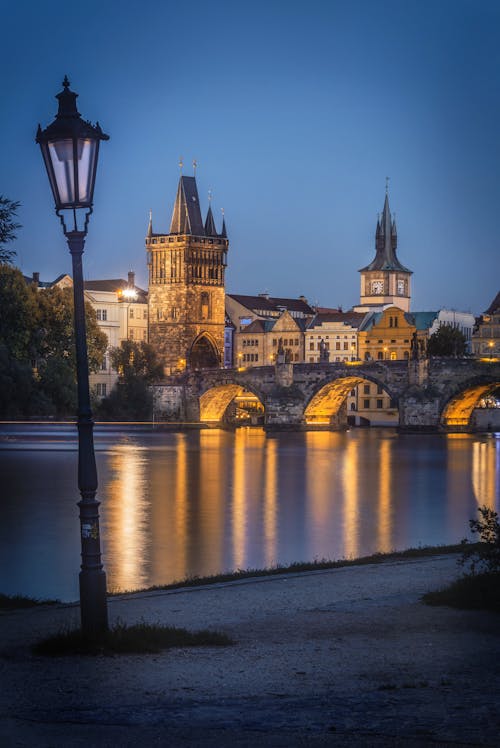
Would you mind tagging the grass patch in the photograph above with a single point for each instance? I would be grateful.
(11, 602)
(141, 638)
(471, 592)
(298, 566)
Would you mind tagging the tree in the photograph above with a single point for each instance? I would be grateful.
(55, 329)
(447, 341)
(8, 228)
(131, 399)
(18, 314)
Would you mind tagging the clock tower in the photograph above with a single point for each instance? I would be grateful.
(385, 280)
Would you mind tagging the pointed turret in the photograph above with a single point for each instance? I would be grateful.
(386, 241)
(210, 229)
(224, 231)
(186, 217)
(150, 225)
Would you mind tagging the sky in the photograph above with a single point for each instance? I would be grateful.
(296, 112)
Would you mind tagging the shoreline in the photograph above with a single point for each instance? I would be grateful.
(340, 657)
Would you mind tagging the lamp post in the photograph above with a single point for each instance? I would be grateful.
(70, 148)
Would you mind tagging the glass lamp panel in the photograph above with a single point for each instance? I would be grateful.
(61, 157)
(87, 151)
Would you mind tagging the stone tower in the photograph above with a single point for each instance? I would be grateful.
(385, 280)
(186, 285)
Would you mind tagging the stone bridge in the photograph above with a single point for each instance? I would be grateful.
(430, 394)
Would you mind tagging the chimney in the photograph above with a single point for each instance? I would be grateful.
(131, 279)
(36, 279)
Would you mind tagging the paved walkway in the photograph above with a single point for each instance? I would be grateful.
(345, 657)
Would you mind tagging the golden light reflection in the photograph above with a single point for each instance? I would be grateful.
(384, 497)
(239, 494)
(127, 508)
(350, 473)
(270, 502)
(486, 472)
(212, 490)
(322, 466)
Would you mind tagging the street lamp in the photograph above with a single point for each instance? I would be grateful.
(70, 148)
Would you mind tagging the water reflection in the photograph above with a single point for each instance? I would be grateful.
(194, 503)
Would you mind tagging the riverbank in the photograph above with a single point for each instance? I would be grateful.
(346, 656)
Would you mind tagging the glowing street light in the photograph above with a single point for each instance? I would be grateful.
(70, 149)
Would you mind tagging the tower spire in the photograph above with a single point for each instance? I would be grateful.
(386, 241)
(150, 224)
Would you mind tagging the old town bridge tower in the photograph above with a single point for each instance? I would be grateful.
(186, 285)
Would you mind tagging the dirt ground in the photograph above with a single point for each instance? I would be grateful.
(344, 657)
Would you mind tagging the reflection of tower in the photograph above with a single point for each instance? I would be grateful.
(385, 280)
(186, 285)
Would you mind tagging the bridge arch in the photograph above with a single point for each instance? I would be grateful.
(457, 410)
(328, 396)
(216, 399)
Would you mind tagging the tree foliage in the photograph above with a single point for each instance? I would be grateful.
(131, 399)
(37, 351)
(8, 228)
(485, 556)
(447, 341)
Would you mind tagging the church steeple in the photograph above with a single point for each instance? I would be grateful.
(186, 216)
(385, 280)
(386, 242)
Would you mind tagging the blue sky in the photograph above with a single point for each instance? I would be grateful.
(295, 112)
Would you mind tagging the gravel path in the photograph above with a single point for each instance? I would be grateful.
(345, 657)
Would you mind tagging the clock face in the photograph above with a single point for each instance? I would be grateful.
(401, 287)
(377, 287)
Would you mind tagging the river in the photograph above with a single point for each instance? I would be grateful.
(178, 504)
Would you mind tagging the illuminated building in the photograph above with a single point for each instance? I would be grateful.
(486, 336)
(186, 285)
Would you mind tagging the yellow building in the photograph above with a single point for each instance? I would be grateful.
(257, 344)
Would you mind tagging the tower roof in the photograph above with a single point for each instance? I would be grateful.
(386, 241)
(186, 218)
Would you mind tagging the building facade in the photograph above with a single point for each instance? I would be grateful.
(121, 310)
(486, 335)
(186, 285)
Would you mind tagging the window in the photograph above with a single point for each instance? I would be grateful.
(346, 346)
(379, 404)
(104, 364)
(353, 393)
(145, 314)
(205, 312)
(101, 389)
(275, 342)
(131, 312)
(394, 356)
(395, 321)
(407, 355)
(337, 346)
(144, 334)
(366, 403)
(380, 389)
(131, 334)
(380, 356)
(311, 346)
(366, 389)
(101, 314)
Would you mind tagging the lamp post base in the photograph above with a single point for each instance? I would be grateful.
(93, 604)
